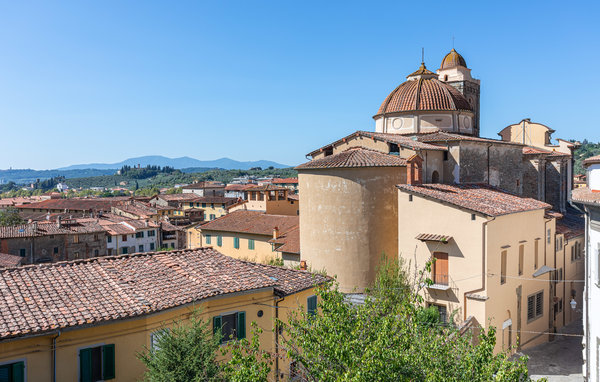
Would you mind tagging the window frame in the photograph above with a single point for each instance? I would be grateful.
(17, 361)
(536, 314)
(251, 245)
(240, 331)
(102, 363)
(236, 242)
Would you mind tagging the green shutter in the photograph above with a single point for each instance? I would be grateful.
(219, 240)
(311, 305)
(250, 243)
(217, 325)
(108, 361)
(241, 325)
(207, 239)
(18, 372)
(236, 242)
(85, 365)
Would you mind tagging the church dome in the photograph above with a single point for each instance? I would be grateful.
(423, 92)
(453, 59)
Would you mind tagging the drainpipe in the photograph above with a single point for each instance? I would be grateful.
(277, 301)
(54, 356)
(483, 271)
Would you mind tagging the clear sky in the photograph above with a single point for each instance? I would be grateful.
(102, 81)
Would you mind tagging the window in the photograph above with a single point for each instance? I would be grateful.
(96, 252)
(394, 149)
(503, 268)
(208, 238)
(410, 198)
(535, 253)
(96, 238)
(172, 245)
(232, 325)
(549, 236)
(155, 338)
(220, 241)
(76, 255)
(203, 205)
(521, 256)
(212, 217)
(191, 204)
(109, 251)
(141, 248)
(22, 252)
(152, 246)
(445, 155)
(535, 306)
(311, 305)
(124, 250)
(13, 372)
(55, 250)
(328, 151)
(473, 216)
(236, 242)
(443, 312)
(139, 234)
(435, 177)
(212, 205)
(440, 268)
(151, 233)
(123, 237)
(97, 363)
(251, 244)
(109, 239)
(75, 239)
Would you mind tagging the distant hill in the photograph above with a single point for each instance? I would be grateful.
(25, 176)
(178, 163)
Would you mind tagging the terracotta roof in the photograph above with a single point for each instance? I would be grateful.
(43, 298)
(484, 199)
(571, 225)
(203, 185)
(591, 160)
(433, 237)
(293, 197)
(238, 187)
(400, 140)
(423, 94)
(585, 195)
(137, 208)
(452, 60)
(9, 261)
(288, 242)
(442, 136)
(267, 187)
(285, 180)
(355, 157)
(530, 150)
(255, 222)
(48, 228)
(188, 197)
(91, 204)
(216, 199)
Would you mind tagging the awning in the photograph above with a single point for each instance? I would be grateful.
(433, 237)
(543, 270)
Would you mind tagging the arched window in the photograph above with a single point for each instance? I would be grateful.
(446, 77)
(435, 177)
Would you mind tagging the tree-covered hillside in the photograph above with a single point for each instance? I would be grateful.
(587, 149)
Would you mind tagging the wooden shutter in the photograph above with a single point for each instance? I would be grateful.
(521, 257)
(85, 365)
(503, 267)
(217, 325)
(530, 307)
(236, 242)
(311, 305)
(241, 325)
(18, 372)
(440, 268)
(108, 361)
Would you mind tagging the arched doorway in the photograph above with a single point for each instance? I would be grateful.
(435, 177)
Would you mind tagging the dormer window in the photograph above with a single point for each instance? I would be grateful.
(394, 149)
(328, 151)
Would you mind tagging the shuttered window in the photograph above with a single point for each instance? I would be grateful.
(12, 372)
(311, 305)
(232, 325)
(236, 242)
(535, 306)
(521, 256)
(251, 244)
(503, 268)
(220, 241)
(208, 237)
(535, 253)
(97, 363)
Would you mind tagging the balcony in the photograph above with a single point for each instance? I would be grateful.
(440, 282)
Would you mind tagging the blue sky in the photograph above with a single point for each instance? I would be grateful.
(102, 81)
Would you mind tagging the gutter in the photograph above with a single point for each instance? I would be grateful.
(483, 257)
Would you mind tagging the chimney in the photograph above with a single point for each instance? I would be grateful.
(275, 233)
(414, 170)
(303, 266)
(58, 221)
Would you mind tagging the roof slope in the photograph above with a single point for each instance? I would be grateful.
(484, 199)
(41, 298)
(289, 241)
(355, 157)
(255, 222)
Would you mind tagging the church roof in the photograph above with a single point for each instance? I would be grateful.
(355, 157)
(453, 59)
(424, 92)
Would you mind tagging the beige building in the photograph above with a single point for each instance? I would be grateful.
(496, 257)
(247, 235)
(270, 199)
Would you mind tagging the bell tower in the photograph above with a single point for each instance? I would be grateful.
(454, 72)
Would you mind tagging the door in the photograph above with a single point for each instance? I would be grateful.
(440, 268)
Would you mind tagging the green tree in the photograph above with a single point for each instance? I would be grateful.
(184, 353)
(248, 363)
(10, 217)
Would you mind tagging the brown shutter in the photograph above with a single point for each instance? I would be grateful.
(440, 268)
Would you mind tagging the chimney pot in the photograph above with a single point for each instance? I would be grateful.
(275, 233)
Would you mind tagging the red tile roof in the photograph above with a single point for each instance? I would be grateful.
(591, 160)
(254, 222)
(43, 298)
(423, 94)
(530, 150)
(443, 136)
(284, 181)
(355, 157)
(9, 261)
(400, 140)
(571, 226)
(238, 187)
(288, 242)
(267, 187)
(76, 204)
(49, 228)
(203, 185)
(187, 197)
(484, 199)
(585, 195)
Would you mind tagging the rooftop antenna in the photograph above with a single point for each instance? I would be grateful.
(422, 55)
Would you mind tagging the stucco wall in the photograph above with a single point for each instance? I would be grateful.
(348, 219)
(262, 252)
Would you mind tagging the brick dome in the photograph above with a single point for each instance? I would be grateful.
(423, 92)
(452, 60)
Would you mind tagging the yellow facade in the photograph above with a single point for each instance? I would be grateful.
(251, 247)
(211, 210)
(132, 336)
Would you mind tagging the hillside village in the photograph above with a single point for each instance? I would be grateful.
(497, 224)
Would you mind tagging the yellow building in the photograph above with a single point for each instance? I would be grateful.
(248, 235)
(86, 320)
(495, 258)
(270, 199)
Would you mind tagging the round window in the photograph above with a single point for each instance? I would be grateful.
(397, 123)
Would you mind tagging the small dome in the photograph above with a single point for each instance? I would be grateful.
(452, 60)
(424, 93)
